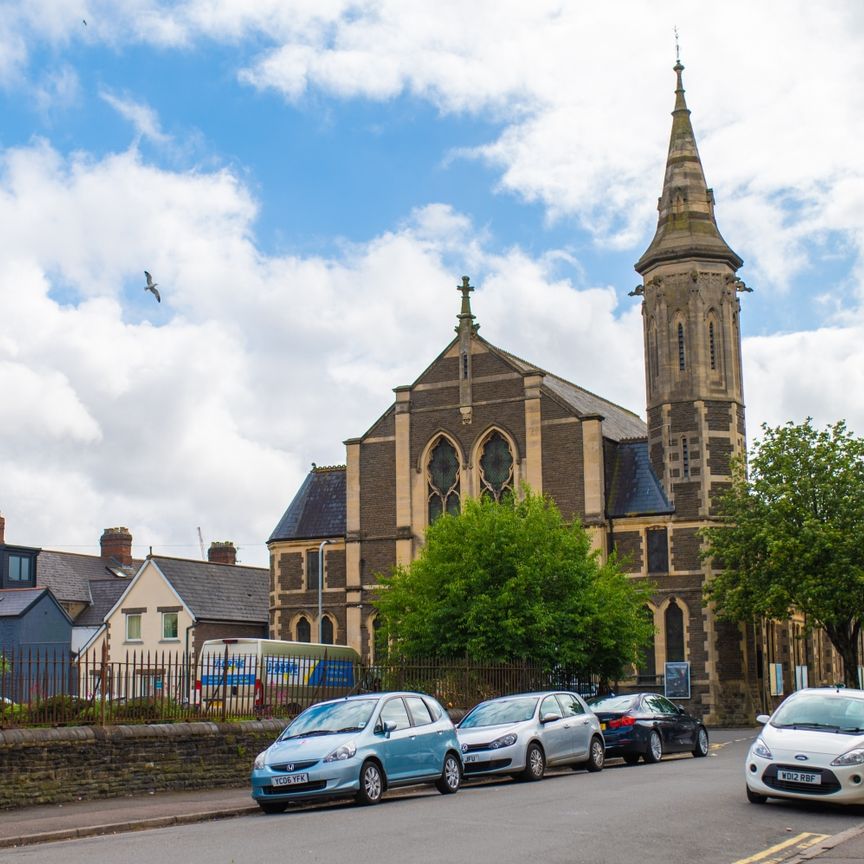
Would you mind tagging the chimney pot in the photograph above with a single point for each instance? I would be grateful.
(222, 553)
(117, 544)
(2, 530)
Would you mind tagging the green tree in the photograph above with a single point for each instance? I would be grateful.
(792, 537)
(514, 581)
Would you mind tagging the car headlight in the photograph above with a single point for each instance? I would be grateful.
(346, 751)
(503, 741)
(260, 760)
(760, 748)
(851, 757)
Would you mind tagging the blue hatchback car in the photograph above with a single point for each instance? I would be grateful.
(359, 747)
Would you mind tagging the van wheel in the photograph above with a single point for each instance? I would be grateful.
(371, 784)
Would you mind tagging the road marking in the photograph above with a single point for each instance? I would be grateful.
(793, 844)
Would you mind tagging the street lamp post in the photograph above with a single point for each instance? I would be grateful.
(321, 585)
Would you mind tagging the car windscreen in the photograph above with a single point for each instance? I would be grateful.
(612, 703)
(833, 712)
(500, 712)
(331, 717)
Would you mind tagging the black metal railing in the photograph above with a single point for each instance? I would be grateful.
(52, 688)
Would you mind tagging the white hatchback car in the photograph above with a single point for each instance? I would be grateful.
(522, 734)
(811, 747)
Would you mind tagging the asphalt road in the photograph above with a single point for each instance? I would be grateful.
(680, 811)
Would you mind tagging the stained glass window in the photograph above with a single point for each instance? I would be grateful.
(443, 480)
(496, 467)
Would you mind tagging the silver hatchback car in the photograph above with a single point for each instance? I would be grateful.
(522, 734)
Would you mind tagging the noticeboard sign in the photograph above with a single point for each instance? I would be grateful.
(677, 680)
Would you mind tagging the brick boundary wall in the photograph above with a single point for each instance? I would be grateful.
(50, 766)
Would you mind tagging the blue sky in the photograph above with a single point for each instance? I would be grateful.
(308, 181)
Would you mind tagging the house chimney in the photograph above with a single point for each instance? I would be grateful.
(222, 553)
(117, 544)
(2, 530)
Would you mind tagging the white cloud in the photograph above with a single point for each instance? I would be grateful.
(142, 117)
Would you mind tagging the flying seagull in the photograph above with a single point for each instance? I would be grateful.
(151, 286)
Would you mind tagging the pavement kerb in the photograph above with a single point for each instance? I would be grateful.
(826, 845)
(121, 827)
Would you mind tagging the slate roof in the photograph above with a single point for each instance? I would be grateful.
(618, 423)
(105, 593)
(632, 487)
(318, 508)
(219, 592)
(69, 574)
(14, 602)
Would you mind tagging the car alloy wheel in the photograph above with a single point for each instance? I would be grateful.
(598, 755)
(654, 753)
(371, 784)
(451, 776)
(701, 748)
(535, 763)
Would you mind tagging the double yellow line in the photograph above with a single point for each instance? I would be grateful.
(781, 851)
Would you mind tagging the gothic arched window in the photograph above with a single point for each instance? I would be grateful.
(712, 348)
(442, 480)
(496, 467)
(681, 357)
(647, 669)
(304, 631)
(674, 632)
(653, 360)
(326, 631)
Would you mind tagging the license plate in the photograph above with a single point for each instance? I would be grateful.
(799, 777)
(290, 780)
(472, 757)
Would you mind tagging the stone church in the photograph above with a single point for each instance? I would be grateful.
(479, 421)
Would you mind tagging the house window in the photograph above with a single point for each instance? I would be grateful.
(312, 570)
(681, 347)
(133, 627)
(326, 631)
(304, 631)
(496, 468)
(442, 489)
(169, 625)
(17, 569)
(674, 632)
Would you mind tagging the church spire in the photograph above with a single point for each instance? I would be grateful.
(686, 227)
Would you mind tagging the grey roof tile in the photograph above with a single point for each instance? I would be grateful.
(632, 487)
(105, 594)
(318, 508)
(219, 592)
(69, 574)
(16, 601)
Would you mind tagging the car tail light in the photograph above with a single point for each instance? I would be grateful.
(626, 720)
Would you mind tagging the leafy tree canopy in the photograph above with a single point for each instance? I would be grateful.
(793, 534)
(514, 581)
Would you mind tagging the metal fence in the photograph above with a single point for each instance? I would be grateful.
(40, 688)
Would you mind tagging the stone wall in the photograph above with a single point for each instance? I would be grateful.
(48, 766)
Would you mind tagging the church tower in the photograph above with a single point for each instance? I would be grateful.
(690, 315)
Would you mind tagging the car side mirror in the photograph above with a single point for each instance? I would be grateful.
(550, 718)
(389, 726)
(762, 718)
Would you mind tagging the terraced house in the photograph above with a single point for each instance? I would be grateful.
(480, 421)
